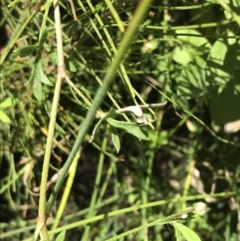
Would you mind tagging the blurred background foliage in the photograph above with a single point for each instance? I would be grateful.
(189, 50)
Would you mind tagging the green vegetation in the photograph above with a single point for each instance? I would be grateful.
(120, 120)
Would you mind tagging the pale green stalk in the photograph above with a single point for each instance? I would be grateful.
(41, 222)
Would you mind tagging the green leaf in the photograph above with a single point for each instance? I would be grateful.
(25, 51)
(61, 236)
(37, 89)
(45, 80)
(47, 47)
(186, 232)
(39, 76)
(131, 128)
(70, 66)
(191, 82)
(234, 6)
(4, 118)
(6, 103)
(54, 57)
(221, 60)
(181, 55)
(178, 235)
(187, 36)
(115, 138)
(52, 52)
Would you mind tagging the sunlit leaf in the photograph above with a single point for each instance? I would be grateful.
(6, 103)
(47, 47)
(186, 232)
(4, 118)
(61, 236)
(221, 61)
(181, 55)
(234, 6)
(178, 235)
(70, 66)
(191, 36)
(191, 82)
(131, 128)
(115, 138)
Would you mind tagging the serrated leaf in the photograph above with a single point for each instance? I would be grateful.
(25, 51)
(39, 76)
(115, 138)
(131, 128)
(54, 57)
(47, 47)
(37, 90)
(45, 80)
(186, 232)
(6, 103)
(4, 118)
(61, 236)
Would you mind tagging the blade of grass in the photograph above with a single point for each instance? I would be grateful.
(115, 15)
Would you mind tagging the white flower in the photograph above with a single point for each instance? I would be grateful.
(200, 208)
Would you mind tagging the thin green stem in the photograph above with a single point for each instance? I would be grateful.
(92, 211)
(67, 190)
(193, 26)
(138, 207)
(101, 93)
(115, 15)
(157, 222)
(122, 70)
(198, 6)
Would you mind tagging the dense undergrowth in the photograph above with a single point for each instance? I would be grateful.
(132, 166)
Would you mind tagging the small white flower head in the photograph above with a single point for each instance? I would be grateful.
(200, 208)
(184, 216)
